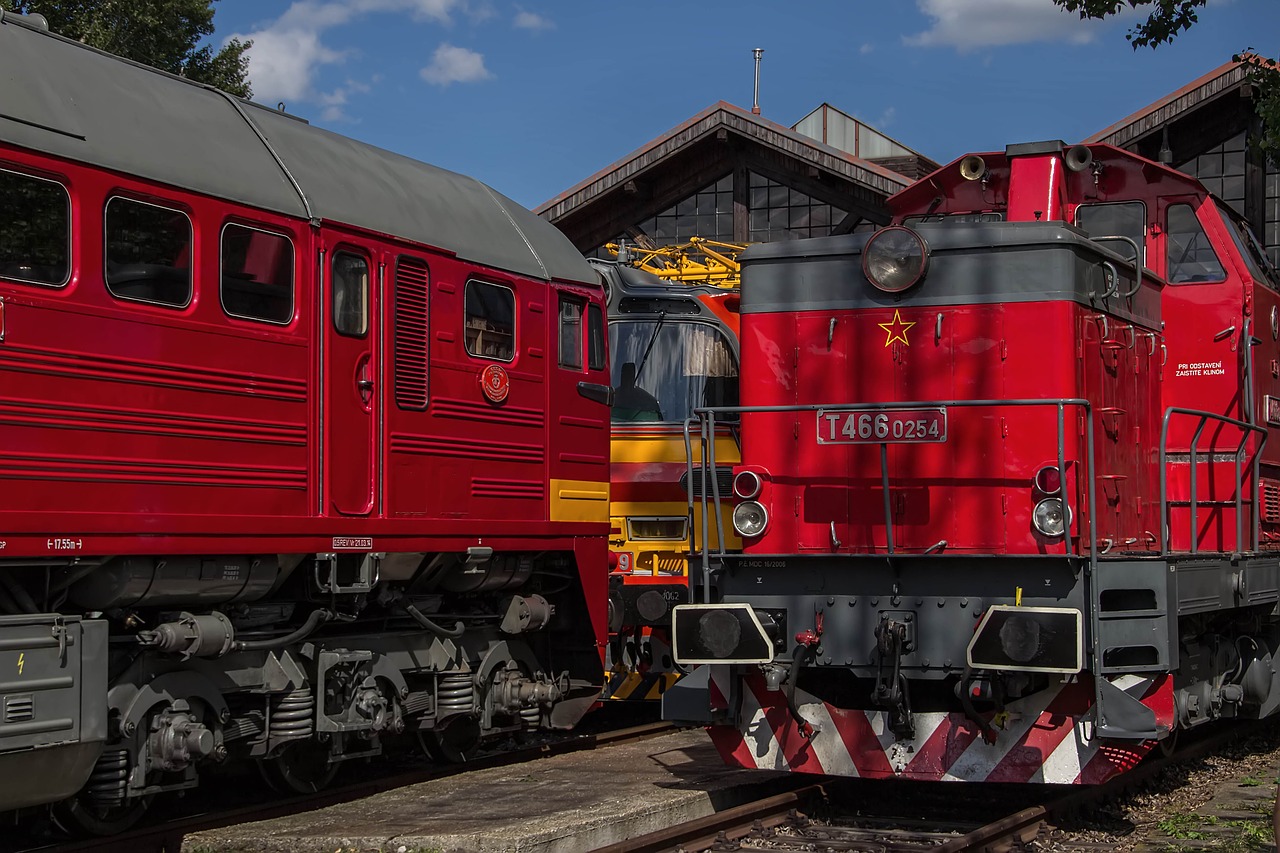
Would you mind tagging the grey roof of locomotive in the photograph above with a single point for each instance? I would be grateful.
(61, 97)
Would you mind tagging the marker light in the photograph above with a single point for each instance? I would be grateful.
(1049, 517)
(1049, 480)
(750, 518)
(894, 259)
(747, 485)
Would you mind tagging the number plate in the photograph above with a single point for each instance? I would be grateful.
(883, 426)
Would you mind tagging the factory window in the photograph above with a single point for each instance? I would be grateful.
(1191, 259)
(35, 230)
(148, 252)
(257, 274)
(491, 321)
(708, 213)
(1221, 170)
(350, 285)
(779, 212)
(571, 332)
(1271, 215)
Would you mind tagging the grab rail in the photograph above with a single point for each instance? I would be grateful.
(1246, 428)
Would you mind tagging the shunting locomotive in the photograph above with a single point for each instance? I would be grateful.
(305, 446)
(674, 348)
(1010, 482)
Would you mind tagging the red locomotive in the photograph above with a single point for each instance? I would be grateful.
(305, 445)
(1010, 489)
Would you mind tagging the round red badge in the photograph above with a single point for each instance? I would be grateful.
(495, 383)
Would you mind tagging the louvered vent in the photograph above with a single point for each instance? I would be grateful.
(1270, 494)
(18, 709)
(411, 334)
(724, 482)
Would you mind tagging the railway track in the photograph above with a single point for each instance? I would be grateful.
(868, 815)
(167, 836)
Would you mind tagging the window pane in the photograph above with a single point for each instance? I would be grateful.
(570, 333)
(1128, 219)
(350, 294)
(596, 338)
(490, 321)
(663, 371)
(257, 274)
(148, 252)
(1191, 258)
(35, 230)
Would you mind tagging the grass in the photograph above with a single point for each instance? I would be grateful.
(1229, 836)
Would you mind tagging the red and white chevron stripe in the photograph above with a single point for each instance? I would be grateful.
(1041, 738)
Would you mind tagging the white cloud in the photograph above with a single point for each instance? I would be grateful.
(287, 53)
(970, 24)
(452, 64)
(867, 47)
(333, 102)
(532, 21)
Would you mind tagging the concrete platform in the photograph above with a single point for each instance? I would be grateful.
(563, 804)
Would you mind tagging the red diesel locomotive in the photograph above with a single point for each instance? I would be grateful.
(305, 445)
(1010, 482)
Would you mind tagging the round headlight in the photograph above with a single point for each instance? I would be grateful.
(894, 259)
(750, 518)
(747, 485)
(1049, 517)
(1049, 480)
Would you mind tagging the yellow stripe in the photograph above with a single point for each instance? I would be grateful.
(579, 500)
(624, 448)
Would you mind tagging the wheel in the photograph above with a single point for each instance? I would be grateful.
(302, 767)
(455, 741)
(78, 817)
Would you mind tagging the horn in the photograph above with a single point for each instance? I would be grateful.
(973, 167)
(1078, 158)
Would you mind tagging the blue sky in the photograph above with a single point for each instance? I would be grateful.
(532, 97)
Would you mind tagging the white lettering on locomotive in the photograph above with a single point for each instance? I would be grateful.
(353, 543)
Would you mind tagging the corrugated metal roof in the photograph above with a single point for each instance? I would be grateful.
(61, 97)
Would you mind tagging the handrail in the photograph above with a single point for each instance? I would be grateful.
(1246, 428)
(706, 417)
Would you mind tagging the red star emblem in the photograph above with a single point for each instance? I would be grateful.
(896, 329)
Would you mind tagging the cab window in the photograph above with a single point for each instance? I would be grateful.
(35, 230)
(571, 332)
(490, 321)
(1126, 219)
(350, 295)
(1190, 257)
(148, 252)
(595, 338)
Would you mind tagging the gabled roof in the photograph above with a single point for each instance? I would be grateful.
(1223, 79)
(733, 119)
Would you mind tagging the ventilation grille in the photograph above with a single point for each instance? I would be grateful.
(18, 709)
(724, 482)
(1270, 492)
(411, 334)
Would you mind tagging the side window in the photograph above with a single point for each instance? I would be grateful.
(410, 340)
(1190, 257)
(490, 321)
(1127, 219)
(595, 338)
(350, 287)
(35, 230)
(148, 252)
(571, 332)
(257, 274)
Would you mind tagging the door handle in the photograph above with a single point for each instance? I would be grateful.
(365, 385)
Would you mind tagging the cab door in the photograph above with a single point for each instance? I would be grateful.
(352, 379)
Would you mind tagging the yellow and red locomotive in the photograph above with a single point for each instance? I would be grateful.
(1009, 506)
(305, 445)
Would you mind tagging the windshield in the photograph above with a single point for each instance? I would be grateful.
(663, 370)
(1260, 266)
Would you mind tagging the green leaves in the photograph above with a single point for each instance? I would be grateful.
(1165, 22)
(165, 34)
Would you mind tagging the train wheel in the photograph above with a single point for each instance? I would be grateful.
(79, 817)
(302, 767)
(455, 741)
